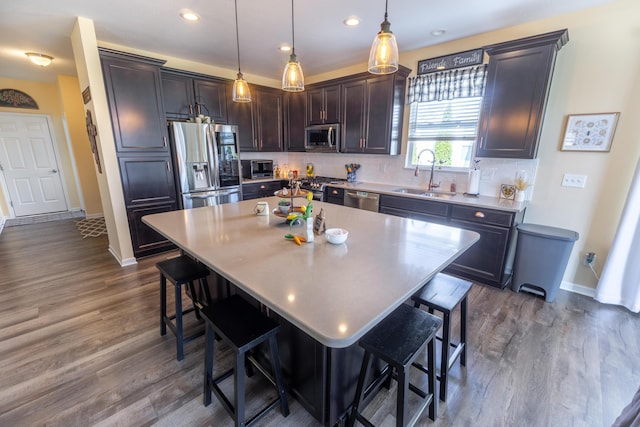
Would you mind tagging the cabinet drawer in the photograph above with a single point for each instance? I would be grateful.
(335, 193)
(260, 189)
(409, 204)
(482, 215)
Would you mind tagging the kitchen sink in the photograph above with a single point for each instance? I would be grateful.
(420, 192)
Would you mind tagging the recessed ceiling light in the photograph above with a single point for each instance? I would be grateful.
(189, 15)
(352, 21)
(39, 58)
(437, 33)
(284, 48)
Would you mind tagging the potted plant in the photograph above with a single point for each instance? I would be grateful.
(284, 206)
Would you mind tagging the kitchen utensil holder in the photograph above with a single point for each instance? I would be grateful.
(351, 177)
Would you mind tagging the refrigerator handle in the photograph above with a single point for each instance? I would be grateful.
(213, 146)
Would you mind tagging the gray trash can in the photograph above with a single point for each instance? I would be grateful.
(542, 254)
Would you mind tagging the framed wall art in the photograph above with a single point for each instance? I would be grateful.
(589, 132)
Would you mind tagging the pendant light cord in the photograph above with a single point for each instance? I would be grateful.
(293, 32)
(238, 36)
(386, 5)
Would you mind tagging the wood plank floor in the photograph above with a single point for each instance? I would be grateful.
(80, 346)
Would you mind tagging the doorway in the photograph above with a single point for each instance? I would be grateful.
(29, 168)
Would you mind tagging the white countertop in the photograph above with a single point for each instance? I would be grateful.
(335, 293)
(459, 198)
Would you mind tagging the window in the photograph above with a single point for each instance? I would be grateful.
(444, 112)
(447, 127)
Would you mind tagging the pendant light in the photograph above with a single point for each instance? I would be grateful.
(383, 58)
(292, 78)
(241, 91)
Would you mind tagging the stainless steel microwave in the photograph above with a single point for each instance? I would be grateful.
(322, 138)
(254, 169)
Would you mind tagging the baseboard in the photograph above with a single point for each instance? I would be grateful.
(122, 262)
(578, 289)
(92, 216)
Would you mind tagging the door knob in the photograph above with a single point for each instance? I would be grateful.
(54, 171)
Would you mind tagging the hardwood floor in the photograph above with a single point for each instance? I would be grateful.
(80, 345)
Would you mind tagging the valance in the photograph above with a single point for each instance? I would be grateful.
(450, 84)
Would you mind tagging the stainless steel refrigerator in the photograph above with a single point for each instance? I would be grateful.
(207, 163)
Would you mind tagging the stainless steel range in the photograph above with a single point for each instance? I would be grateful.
(317, 185)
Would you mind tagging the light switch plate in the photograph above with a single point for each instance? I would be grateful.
(571, 180)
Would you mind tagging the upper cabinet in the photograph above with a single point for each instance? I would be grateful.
(518, 81)
(259, 121)
(323, 104)
(187, 95)
(295, 107)
(372, 110)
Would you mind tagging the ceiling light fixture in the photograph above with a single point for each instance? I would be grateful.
(40, 58)
(383, 58)
(241, 92)
(284, 48)
(351, 21)
(189, 15)
(437, 33)
(292, 78)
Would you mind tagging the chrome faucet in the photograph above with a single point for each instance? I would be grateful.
(432, 185)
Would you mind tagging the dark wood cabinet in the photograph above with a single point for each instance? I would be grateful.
(334, 195)
(294, 120)
(489, 260)
(518, 81)
(187, 95)
(323, 104)
(134, 92)
(257, 190)
(262, 119)
(372, 113)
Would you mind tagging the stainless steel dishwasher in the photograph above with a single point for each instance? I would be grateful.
(362, 200)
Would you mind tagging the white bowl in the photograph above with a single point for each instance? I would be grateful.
(336, 235)
(284, 208)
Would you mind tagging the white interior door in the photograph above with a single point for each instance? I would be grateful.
(28, 163)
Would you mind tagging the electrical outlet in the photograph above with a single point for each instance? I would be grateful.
(571, 180)
(589, 258)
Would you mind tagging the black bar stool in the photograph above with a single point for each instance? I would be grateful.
(181, 271)
(243, 327)
(398, 340)
(444, 293)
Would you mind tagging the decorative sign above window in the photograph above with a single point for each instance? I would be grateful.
(457, 60)
(16, 99)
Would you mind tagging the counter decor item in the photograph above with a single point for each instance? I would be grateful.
(589, 132)
(507, 191)
(473, 183)
(521, 183)
(302, 214)
(310, 170)
(351, 171)
(336, 236)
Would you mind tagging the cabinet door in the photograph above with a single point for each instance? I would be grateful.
(353, 116)
(315, 106)
(177, 94)
(211, 99)
(485, 260)
(147, 180)
(332, 104)
(135, 102)
(294, 124)
(269, 120)
(518, 81)
(145, 240)
(377, 135)
(241, 115)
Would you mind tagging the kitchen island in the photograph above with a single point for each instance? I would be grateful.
(326, 296)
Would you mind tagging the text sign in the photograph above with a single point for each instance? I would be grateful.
(457, 60)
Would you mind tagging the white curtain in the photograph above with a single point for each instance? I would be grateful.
(620, 280)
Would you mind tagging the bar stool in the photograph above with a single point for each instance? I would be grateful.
(444, 293)
(242, 327)
(398, 340)
(181, 271)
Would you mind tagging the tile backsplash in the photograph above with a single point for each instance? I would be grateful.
(392, 170)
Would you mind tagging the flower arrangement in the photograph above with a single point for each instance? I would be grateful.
(305, 211)
(521, 184)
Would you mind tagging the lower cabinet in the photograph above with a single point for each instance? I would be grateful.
(334, 195)
(145, 240)
(490, 259)
(257, 190)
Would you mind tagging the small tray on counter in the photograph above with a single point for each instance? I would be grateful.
(278, 212)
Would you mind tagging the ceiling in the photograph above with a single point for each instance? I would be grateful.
(323, 43)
